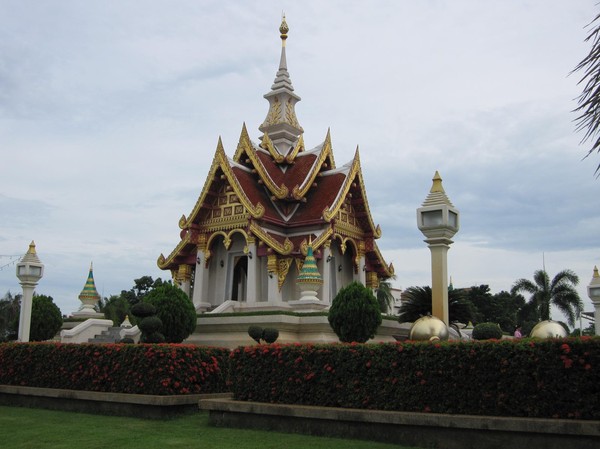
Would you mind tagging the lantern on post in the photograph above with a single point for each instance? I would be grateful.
(438, 220)
(29, 271)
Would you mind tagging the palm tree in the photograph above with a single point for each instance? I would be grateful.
(416, 302)
(589, 100)
(385, 299)
(559, 292)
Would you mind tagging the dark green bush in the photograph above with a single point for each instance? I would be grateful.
(487, 331)
(117, 368)
(270, 335)
(175, 310)
(150, 325)
(526, 378)
(46, 318)
(255, 332)
(354, 314)
(143, 309)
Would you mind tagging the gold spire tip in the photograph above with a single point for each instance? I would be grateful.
(596, 275)
(283, 28)
(437, 183)
(31, 249)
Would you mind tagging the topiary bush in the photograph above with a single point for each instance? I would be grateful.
(255, 332)
(175, 310)
(354, 314)
(487, 331)
(149, 324)
(270, 335)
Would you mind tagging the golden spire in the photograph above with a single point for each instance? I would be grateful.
(437, 183)
(283, 29)
(31, 249)
(437, 195)
(596, 275)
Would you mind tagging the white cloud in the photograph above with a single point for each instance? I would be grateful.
(110, 115)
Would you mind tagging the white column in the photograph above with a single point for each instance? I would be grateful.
(439, 281)
(326, 275)
(362, 274)
(25, 316)
(252, 292)
(200, 299)
(597, 320)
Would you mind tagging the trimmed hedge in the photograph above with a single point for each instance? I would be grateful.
(117, 368)
(547, 379)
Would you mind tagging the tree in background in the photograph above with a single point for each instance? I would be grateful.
(10, 306)
(559, 292)
(175, 310)
(589, 100)
(416, 302)
(142, 286)
(385, 299)
(354, 314)
(502, 308)
(46, 318)
(116, 308)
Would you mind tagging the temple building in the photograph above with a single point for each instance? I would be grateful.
(260, 213)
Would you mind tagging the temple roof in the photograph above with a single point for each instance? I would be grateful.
(284, 195)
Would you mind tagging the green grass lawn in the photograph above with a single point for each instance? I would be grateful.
(24, 428)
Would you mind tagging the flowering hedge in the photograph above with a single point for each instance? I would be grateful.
(550, 378)
(119, 368)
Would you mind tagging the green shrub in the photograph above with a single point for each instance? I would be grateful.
(487, 331)
(46, 318)
(255, 332)
(116, 368)
(143, 310)
(175, 310)
(354, 314)
(149, 323)
(521, 378)
(270, 335)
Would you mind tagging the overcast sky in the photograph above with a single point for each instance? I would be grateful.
(110, 112)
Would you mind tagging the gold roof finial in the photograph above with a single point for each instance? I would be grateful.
(31, 249)
(283, 28)
(437, 183)
(596, 275)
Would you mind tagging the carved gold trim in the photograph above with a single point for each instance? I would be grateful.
(299, 191)
(184, 273)
(283, 267)
(322, 239)
(284, 249)
(290, 115)
(297, 149)
(163, 262)
(355, 171)
(267, 144)
(220, 162)
(388, 270)
(272, 266)
(274, 113)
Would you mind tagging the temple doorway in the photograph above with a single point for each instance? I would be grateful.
(239, 278)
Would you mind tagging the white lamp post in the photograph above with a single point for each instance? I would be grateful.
(593, 290)
(29, 271)
(438, 220)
